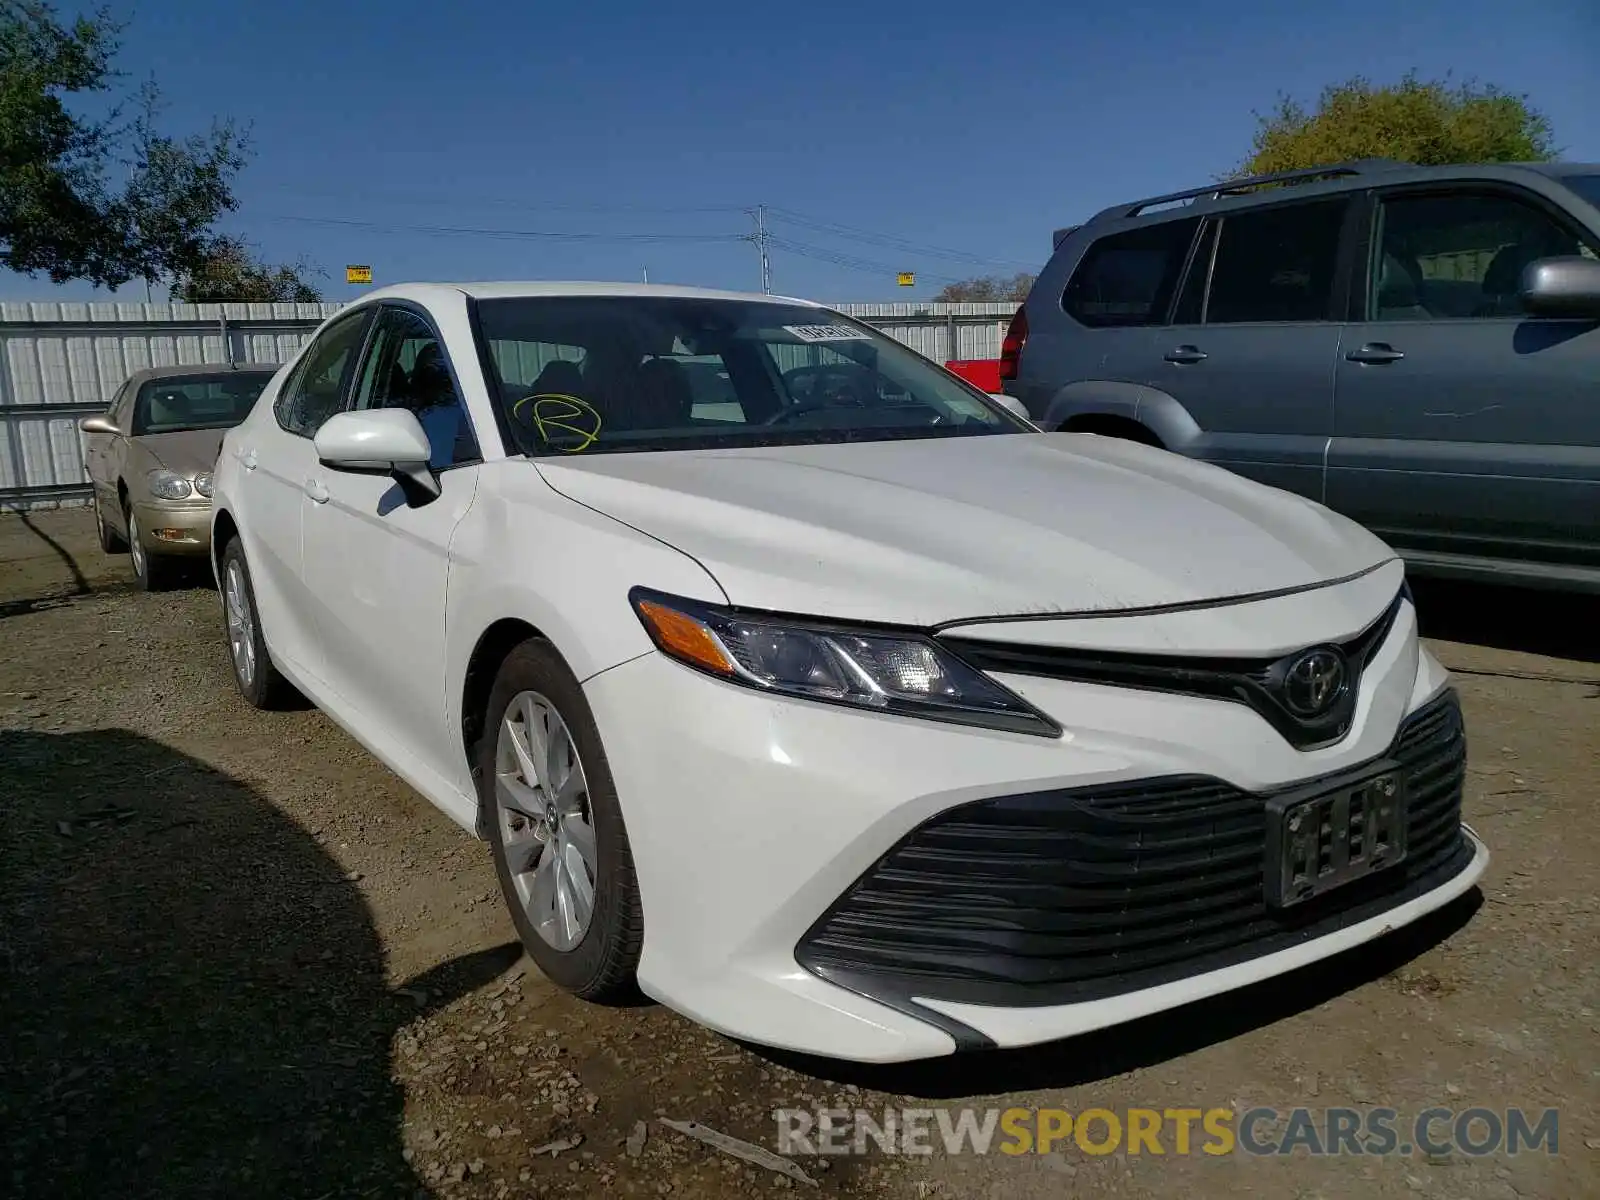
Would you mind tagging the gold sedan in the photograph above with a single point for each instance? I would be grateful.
(150, 458)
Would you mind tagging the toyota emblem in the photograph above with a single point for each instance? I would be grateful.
(1313, 682)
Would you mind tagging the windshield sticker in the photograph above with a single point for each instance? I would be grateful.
(828, 333)
(557, 416)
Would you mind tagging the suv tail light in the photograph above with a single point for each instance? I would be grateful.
(1011, 348)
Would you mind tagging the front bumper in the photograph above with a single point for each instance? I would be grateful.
(177, 527)
(753, 818)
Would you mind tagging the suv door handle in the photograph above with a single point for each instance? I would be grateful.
(314, 489)
(1375, 353)
(1185, 354)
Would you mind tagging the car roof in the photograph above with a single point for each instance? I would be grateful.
(508, 290)
(189, 370)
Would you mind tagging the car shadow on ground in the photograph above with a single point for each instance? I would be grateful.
(1533, 621)
(1147, 1042)
(194, 998)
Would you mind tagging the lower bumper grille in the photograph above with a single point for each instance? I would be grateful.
(1071, 895)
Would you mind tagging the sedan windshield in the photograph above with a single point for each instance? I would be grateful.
(197, 401)
(599, 374)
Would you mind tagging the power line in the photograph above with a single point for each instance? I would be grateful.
(850, 262)
(455, 201)
(513, 234)
(891, 241)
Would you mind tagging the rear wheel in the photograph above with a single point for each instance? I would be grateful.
(259, 681)
(555, 826)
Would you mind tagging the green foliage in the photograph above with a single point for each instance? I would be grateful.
(1427, 122)
(228, 271)
(105, 199)
(988, 287)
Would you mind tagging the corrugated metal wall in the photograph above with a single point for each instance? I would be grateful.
(61, 361)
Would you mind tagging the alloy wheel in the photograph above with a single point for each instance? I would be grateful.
(241, 623)
(136, 547)
(546, 828)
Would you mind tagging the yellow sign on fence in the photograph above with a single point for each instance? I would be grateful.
(908, 279)
(358, 274)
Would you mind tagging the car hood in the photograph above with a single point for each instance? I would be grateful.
(930, 531)
(186, 452)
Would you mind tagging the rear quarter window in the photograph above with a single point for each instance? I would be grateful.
(1128, 278)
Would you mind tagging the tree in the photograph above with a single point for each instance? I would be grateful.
(988, 287)
(1427, 122)
(105, 199)
(228, 271)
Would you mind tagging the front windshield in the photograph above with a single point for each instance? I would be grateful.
(601, 374)
(1587, 186)
(197, 401)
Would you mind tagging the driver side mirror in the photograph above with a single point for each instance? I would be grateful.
(1562, 287)
(1012, 405)
(380, 441)
(99, 423)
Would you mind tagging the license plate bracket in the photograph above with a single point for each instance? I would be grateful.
(1328, 835)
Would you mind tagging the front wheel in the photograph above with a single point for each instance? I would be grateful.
(151, 572)
(110, 541)
(555, 826)
(259, 681)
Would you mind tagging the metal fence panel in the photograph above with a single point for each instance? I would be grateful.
(60, 361)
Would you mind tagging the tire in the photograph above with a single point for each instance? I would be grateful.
(258, 680)
(598, 961)
(110, 540)
(151, 572)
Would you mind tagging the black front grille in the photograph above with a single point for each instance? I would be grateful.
(1260, 684)
(1060, 896)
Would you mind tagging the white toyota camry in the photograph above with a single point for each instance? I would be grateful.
(810, 689)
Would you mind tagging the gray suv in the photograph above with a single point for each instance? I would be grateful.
(1416, 347)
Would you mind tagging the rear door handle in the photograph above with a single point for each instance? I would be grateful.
(318, 493)
(1185, 354)
(1375, 353)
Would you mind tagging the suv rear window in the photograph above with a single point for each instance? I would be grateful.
(1127, 278)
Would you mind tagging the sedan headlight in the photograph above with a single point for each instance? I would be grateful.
(906, 674)
(202, 484)
(169, 485)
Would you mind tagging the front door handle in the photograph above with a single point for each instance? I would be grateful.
(315, 490)
(1185, 354)
(1375, 353)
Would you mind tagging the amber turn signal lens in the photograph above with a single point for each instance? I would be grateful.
(683, 637)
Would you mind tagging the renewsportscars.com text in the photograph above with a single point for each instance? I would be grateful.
(1435, 1132)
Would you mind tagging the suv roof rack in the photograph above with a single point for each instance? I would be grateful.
(1235, 187)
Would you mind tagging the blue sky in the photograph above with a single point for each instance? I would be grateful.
(957, 127)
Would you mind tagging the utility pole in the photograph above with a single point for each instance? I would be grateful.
(759, 212)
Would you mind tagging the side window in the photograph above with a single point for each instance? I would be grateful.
(1458, 256)
(318, 387)
(1276, 264)
(406, 367)
(1128, 278)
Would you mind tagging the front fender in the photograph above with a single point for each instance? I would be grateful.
(525, 552)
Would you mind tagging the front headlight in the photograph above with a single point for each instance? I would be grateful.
(202, 484)
(906, 674)
(169, 485)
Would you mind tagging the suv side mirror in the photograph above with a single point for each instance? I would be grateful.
(384, 441)
(1562, 287)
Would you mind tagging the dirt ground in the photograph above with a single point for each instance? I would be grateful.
(240, 958)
